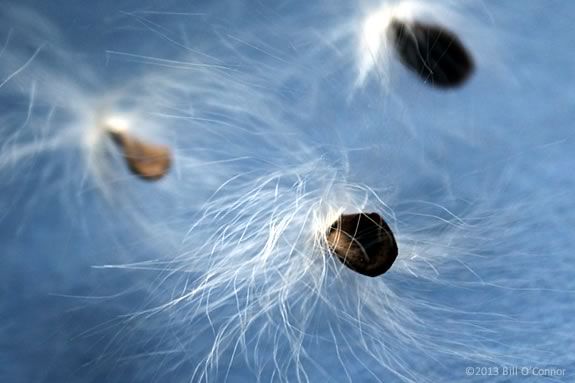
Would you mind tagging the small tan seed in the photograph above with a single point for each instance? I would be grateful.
(147, 161)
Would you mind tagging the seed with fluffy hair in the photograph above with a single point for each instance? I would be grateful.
(363, 242)
(146, 160)
(435, 54)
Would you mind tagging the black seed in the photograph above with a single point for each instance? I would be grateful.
(148, 161)
(432, 52)
(363, 242)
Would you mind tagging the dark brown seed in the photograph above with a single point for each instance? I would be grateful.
(435, 54)
(363, 242)
(148, 161)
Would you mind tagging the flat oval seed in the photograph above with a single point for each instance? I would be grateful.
(148, 161)
(363, 242)
(435, 54)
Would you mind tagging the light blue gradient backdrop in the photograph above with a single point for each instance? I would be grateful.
(50, 334)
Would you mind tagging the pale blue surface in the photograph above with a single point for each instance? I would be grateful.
(49, 333)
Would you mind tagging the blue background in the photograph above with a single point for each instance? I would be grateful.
(505, 141)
